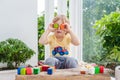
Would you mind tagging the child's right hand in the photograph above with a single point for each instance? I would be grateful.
(50, 28)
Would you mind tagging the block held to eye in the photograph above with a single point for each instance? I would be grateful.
(62, 26)
(56, 25)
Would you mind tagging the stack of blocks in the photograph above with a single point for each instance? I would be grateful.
(35, 70)
(59, 50)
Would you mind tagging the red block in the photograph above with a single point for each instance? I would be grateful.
(101, 69)
(45, 67)
(29, 71)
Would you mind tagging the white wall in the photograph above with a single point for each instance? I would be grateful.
(18, 19)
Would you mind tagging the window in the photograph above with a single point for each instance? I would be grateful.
(94, 10)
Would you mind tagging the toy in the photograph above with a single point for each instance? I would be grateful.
(23, 71)
(18, 71)
(82, 72)
(62, 26)
(56, 25)
(59, 50)
(97, 70)
(45, 67)
(36, 70)
(54, 52)
(29, 71)
(101, 69)
(50, 71)
(40, 68)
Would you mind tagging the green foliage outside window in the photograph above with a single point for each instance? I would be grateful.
(41, 48)
(94, 10)
(108, 28)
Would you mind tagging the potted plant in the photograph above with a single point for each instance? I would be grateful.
(108, 28)
(14, 51)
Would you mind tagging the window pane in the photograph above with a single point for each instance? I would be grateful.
(93, 10)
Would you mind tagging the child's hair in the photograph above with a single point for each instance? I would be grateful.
(63, 18)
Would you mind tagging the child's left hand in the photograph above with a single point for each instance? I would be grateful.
(67, 27)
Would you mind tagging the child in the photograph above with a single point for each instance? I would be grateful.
(62, 37)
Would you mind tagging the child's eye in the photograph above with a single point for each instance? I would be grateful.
(56, 25)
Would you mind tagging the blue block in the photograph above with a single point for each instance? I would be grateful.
(54, 52)
(50, 71)
(59, 49)
(66, 52)
(18, 71)
(61, 53)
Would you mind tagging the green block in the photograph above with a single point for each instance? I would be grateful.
(56, 25)
(36, 70)
(23, 71)
(97, 70)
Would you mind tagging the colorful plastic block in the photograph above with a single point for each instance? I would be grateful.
(40, 68)
(23, 71)
(54, 52)
(101, 69)
(56, 25)
(50, 71)
(18, 71)
(62, 26)
(82, 72)
(36, 70)
(45, 67)
(61, 53)
(65, 51)
(29, 71)
(97, 70)
(59, 49)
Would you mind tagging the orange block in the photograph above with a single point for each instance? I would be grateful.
(62, 26)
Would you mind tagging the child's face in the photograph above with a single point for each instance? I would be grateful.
(58, 31)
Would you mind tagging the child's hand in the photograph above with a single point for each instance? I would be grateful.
(67, 27)
(50, 28)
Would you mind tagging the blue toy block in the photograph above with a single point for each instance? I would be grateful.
(50, 71)
(59, 49)
(61, 53)
(18, 71)
(66, 52)
(54, 52)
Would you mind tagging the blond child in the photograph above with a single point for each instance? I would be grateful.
(61, 37)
